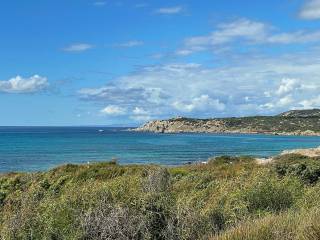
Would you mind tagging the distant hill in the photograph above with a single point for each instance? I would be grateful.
(301, 113)
(295, 122)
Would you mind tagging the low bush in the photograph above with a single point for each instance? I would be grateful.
(267, 194)
(307, 169)
(108, 221)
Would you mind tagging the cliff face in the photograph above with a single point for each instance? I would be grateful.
(289, 123)
(183, 125)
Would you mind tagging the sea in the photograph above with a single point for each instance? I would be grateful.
(30, 149)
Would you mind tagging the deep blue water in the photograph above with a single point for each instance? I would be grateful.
(41, 148)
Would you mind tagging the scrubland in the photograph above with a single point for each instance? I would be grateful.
(227, 198)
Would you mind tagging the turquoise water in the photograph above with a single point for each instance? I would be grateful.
(41, 148)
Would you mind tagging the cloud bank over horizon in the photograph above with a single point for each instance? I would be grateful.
(256, 85)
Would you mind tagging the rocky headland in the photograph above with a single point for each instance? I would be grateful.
(295, 122)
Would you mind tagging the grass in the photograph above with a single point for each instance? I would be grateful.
(228, 198)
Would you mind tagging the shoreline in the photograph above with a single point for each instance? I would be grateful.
(296, 133)
(307, 152)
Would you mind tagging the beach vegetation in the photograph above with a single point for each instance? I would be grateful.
(226, 198)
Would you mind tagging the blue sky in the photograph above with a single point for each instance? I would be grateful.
(83, 62)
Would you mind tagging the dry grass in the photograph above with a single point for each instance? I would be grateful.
(285, 226)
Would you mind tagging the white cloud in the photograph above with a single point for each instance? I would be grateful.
(282, 103)
(285, 101)
(141, 118)
(139, 114)
(294, 37)
(19, 84)
(311, 103)
(292, 93)
(245, 31)
(311, 10)
(201, 103)
(113, 110)
(287, 86)
(170, 10)
(130, 44)
(78, 47)
(228, 32)
(139, 111)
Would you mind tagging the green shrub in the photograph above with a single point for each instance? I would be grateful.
(307, 169)
(2, 197)
(271, 195)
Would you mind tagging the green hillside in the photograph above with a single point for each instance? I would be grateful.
(296, 122)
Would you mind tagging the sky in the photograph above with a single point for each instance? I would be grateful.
(124, 62)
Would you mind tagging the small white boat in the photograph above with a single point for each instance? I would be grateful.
(100, 130)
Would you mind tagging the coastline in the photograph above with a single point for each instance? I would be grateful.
(292, 123)
(296, 133)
